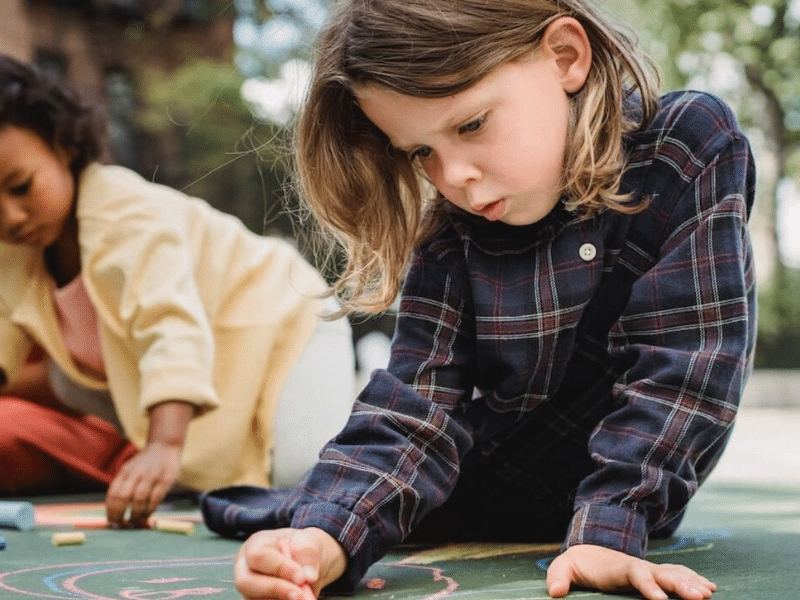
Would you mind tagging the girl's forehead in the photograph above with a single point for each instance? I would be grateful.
(19, 144)
(408, 120)
(484, 87)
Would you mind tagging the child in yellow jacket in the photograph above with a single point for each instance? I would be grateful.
(164, 317)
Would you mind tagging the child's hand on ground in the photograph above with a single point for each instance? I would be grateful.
(594, 567)
(142, 483)
(282, 564)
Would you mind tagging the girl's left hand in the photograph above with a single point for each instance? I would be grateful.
(142, 483)
(594, 567)
(144, 480)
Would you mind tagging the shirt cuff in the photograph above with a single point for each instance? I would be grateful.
(186, 383)
(612, 527)
(351, 532)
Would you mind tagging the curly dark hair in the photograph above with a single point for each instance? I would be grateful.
(38, 101)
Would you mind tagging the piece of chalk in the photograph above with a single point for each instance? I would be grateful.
(172, 526)
(2, 543)
(68, 538)
(19, 515)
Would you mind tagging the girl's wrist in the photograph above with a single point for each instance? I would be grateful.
(169, 422)
(334, 558)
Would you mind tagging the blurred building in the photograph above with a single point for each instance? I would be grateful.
(103, 46)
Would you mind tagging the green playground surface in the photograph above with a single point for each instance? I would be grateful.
(746, 538)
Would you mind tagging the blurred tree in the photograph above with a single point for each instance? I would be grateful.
(747, 51)
(274, 38)
(224, 154)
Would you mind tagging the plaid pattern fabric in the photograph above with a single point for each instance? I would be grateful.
(594, 364)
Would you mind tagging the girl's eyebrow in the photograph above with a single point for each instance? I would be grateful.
(405, 149)
(10, 176)
(460, 117)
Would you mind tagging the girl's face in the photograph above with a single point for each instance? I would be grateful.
(495, 149)
(37, 188)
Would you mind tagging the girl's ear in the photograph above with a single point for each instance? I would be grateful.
(566, 42)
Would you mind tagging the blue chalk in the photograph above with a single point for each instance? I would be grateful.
(2, 543)
(17, 515)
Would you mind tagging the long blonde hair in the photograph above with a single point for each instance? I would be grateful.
(369, 198)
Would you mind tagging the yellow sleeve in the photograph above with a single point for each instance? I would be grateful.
(139, 274)
(15, 347)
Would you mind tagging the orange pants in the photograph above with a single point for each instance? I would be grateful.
(47, 451)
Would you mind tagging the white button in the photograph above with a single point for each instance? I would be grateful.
(588, 252)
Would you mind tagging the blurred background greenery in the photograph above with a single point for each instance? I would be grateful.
(212, 118)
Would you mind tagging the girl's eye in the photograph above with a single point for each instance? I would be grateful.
(20, 189)
(472, 126)
(423, 152)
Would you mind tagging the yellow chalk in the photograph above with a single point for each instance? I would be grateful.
(171, 526)
(68, 538)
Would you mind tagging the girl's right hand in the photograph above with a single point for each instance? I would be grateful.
(288, 564)
(594, 567)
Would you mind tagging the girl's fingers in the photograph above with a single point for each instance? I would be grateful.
(684, 583)
(145, 498)
(303, 549)
(139, 502)
(558, 580)
(264, 555)
(611, 571)
(255, 585)
(641, 578)
(117, 499)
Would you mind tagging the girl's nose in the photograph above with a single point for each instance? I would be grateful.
(12, 216)
(460, 171)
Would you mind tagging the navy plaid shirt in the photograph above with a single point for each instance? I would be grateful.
(635, 330)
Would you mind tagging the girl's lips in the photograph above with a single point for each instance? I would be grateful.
(494, 211)
(29, 239)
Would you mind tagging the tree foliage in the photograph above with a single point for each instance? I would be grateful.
(216, 149)
(747, 51)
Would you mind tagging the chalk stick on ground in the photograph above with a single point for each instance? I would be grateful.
(18, 515)
(2, 543)
(174, 526)
(68, 538)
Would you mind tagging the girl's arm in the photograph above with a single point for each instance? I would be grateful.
(144, 481)
(399, 454)
(139, 271)
(685, 338)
